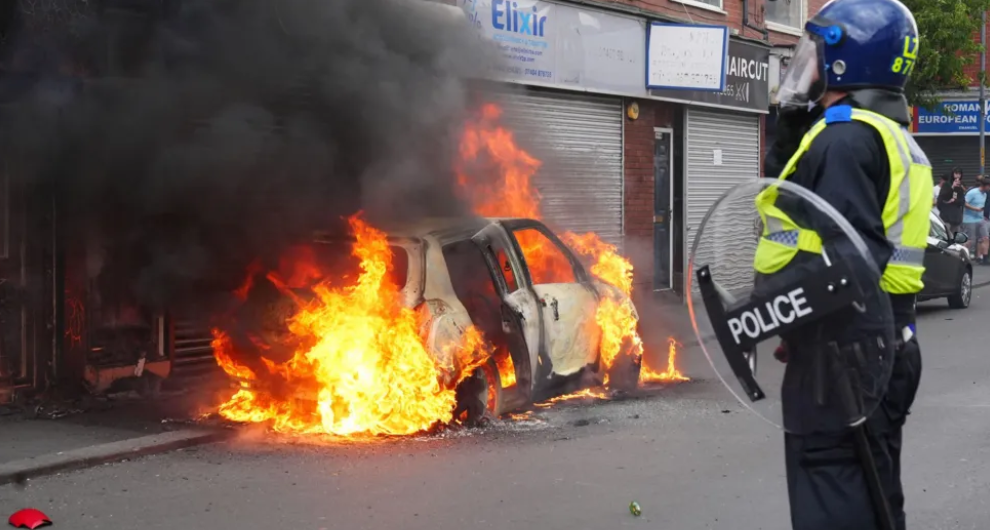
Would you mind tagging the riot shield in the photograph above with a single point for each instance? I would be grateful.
(781, 275)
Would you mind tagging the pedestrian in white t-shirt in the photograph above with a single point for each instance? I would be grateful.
(935, 192)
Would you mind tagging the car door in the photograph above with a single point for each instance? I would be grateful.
(567, 298)
(520, 312)
(940, 266)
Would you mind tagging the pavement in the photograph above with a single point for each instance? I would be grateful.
(41, 439)
(688, 453)
(981, 275)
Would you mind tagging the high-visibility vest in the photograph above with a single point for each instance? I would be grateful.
(905, 212)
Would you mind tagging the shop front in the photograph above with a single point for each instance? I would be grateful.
(722, 132)
(949, 135)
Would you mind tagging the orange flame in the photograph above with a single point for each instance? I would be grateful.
(671, 374)
(580, 394)
(242, 291)
(506, 370)
(513, 194)
(365, 369)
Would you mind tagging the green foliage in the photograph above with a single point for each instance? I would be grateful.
(947, 28)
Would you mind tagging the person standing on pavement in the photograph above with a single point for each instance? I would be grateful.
(851, 65)
(974, 224)
(976, 184)
(950, 202)
(986, 209)
(935, 192)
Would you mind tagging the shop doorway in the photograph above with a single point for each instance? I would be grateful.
(666, 221)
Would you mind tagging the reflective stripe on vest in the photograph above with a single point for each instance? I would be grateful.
(905, 212)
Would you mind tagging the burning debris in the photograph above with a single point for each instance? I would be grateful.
(593, 394)
(671, 374)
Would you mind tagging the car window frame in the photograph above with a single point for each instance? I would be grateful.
(514, 225)
(415, 249)
(501, 272)
(492, 236)
(934, 233)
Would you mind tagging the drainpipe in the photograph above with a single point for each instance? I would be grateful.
(747, 24)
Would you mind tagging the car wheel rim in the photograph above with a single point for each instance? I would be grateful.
(966, 288)
(483, 391)
(491, 398)
(487, 395)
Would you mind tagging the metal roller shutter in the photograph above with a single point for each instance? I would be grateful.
(578, 139)
(947, 152)
(730, 241)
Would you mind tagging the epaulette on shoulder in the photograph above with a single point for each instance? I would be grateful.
(838, 114)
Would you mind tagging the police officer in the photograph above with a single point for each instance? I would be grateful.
(843, 117)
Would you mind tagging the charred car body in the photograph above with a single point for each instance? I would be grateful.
(456, 273)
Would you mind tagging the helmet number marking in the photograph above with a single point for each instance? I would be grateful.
(905, 63)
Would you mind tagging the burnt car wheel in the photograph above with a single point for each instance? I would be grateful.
(479, 397)
(624, 372)
(964, 294)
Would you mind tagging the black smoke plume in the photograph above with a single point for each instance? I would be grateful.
(187, 141)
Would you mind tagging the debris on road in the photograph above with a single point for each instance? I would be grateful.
(635, 509)
(29, 518)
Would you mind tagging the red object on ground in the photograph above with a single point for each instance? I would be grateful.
(782, 353)
(29, 518)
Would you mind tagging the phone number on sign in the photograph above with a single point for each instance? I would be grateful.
(531, 72)
(738, 92)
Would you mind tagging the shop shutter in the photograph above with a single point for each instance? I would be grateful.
(947, 152)
(578, 139)
(730, 240)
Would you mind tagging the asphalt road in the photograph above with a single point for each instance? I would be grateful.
(689, 454)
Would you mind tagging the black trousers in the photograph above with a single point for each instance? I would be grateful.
(826, 483)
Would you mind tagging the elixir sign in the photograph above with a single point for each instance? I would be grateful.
(524, 32)
(543, 43)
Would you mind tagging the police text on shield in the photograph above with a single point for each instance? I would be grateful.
(759, 320)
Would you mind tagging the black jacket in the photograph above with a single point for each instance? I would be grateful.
(951, 212)
(847, 166)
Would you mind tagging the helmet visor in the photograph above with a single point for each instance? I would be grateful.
(805, 82)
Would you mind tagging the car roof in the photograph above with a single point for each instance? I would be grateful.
(441, 228)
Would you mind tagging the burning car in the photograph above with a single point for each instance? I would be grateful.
(505, 309)
(394, 330)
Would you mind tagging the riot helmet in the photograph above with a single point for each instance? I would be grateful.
(849, 45)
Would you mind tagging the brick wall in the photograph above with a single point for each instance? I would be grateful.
(639, 139)
(731, 15)
(972, 70)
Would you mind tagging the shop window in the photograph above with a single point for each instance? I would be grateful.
(704, 4)
(785, 14)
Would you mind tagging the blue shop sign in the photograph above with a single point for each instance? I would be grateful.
(949, 117)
